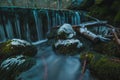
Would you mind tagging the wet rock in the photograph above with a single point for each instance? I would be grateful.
(13, 66)
(68, 46)
(66, 32)
(103, 67)
(16, 47)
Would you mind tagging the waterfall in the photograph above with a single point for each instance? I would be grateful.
(2, 33)
(33, 24)
(38, 24)
(17, 26)
(9, 29)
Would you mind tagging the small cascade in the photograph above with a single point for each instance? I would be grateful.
(17, 27)
(38, 24)
(33, 24)
(9, 29)
(2, 33)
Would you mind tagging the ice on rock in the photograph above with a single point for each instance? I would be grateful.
(69, 42)
(67, 28)
(11, 61)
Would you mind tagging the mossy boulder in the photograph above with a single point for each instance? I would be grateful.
(13, 66)
(16, 47)
(68, 46)
(110, 48)
(66, 32)
(103, 67)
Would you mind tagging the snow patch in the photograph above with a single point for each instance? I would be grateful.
(11, 61)
(68, 42)
(84, 30)
(19, 42)
(67, 28)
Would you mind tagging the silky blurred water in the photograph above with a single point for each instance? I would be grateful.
(50, 66)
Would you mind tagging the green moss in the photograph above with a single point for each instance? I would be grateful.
(7, 50)
(97, 2)
(110, 48)
(117, 17)
(67, 50)
(103, 67)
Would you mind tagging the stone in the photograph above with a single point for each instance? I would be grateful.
(68, 46)
(13, 66)
(66, 31)
(16, 47)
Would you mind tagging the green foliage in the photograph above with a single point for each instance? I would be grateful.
(106, 10)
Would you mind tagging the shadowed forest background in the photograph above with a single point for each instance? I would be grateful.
(102, 9)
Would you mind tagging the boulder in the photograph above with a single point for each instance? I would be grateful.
(66, 32)
(68, 46)
(16, 47)
(13, 66)
(103, 67)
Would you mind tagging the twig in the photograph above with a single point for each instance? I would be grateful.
(83, 68)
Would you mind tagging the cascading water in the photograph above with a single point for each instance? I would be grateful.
(38, 24)
(17, 26)
(33, 24)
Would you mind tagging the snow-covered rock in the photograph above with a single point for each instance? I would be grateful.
(66, 31)
(15, 47)
(68, 46)
(18, 60)
(68, 42)
(19, 42)
(13, 66)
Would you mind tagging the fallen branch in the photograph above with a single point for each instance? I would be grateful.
(116, 37)
(94, 23)
(83, 68)
(114, 33)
